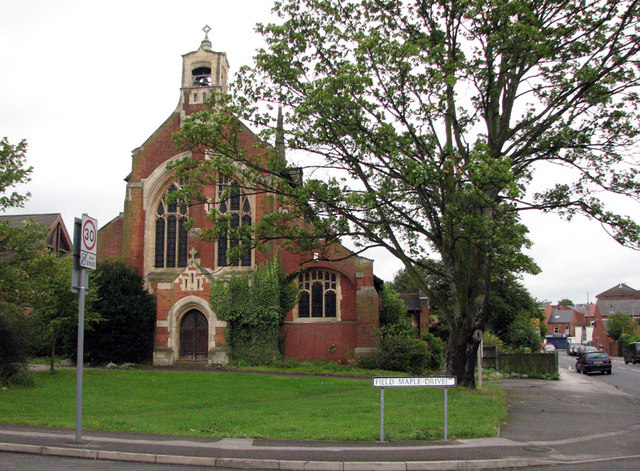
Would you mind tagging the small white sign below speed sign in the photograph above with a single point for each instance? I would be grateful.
(88, 242)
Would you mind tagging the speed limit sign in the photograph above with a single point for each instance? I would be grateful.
(88, 242)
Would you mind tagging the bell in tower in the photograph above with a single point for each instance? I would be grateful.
(204, 72)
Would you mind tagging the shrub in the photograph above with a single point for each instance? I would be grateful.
(127, 311)
(254, 307)
(393, 310)
(15, 335)
(403, 353)
(435, 347)
(522, 332)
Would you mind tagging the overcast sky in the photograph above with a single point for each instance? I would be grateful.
(86, 82)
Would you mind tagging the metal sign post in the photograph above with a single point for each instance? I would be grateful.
(478, 337)
(445, 382)
(84, 259)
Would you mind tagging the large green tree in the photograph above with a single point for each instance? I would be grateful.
(421, 123)
(20, 250)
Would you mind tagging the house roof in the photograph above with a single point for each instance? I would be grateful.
(618, 291)
(560, 316)
(57, 236)
(16, 220)
(609, 307)
(414, 301)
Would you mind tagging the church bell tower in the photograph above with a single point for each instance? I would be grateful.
(204, 72)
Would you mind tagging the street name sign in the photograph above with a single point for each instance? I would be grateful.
(425, 381)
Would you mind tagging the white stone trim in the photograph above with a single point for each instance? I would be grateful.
(153, 190)
(179, 309)
(321, 320)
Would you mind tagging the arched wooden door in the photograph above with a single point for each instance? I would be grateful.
(194, 336)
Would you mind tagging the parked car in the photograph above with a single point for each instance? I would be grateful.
(585, 349)
(632, 353)
(572, 349)
(589, 362)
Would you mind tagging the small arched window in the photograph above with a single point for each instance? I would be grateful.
(318, 294)
(236, 205)
(171, 235)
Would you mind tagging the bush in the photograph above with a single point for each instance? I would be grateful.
(127, 311)
(522, 332)
(393, 310)
(403, 353)
(15, 335)
(254, 306)
(253, 345)
(435, 347)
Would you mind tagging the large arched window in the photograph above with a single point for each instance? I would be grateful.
(171, 235)
(236, 205)
(318, 294)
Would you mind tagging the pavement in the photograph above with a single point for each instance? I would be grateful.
(570, 421)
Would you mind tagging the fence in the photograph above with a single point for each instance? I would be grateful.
(536, 364)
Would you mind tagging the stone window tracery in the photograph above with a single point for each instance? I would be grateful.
(318, 294)
(171, 237)
(234, 203)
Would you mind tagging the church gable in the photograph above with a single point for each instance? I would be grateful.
(192, 278)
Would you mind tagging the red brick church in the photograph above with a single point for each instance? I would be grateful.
(337, 314)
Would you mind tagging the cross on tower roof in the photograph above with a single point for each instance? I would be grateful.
(206, 30)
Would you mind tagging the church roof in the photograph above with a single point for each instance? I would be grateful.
(619, 291)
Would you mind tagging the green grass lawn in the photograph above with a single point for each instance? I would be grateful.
(251, 405)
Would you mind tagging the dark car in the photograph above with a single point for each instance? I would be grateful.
(632, 353)
(589, 362)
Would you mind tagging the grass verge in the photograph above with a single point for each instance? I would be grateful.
(251, 405)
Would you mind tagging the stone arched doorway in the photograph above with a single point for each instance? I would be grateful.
(194, 336)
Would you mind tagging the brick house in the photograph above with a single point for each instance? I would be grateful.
(562, 319)
(338, 311)
(57, 239)
(618, 299)
(417, 310)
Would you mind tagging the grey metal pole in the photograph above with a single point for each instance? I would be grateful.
(480, 353)
(446, 412)
(381, 414)
(84, 282)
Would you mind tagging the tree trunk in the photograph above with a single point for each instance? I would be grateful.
(469, 297)
(461, 356)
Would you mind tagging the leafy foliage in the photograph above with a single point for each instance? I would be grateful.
(16, 331)
(393, 310)
(403, 353)
(56, 310)
(21, 262)
(523, 332)
(620, 325)
(428, 121)
(511, 307)
(435, 348)
(13, 172)
(254, 306)
(125, 331)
